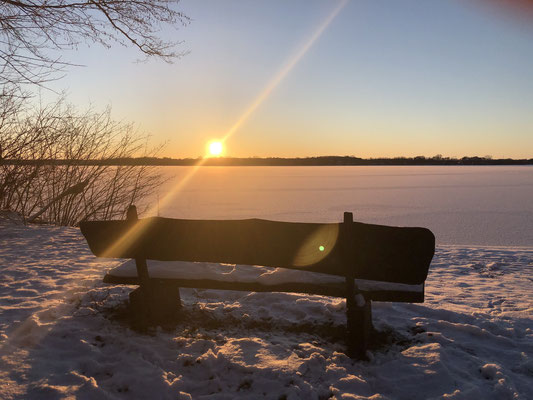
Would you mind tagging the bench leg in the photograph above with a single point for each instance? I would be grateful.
(359, 326)
(159, 304)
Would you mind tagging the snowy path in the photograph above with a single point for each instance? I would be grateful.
(472, 338)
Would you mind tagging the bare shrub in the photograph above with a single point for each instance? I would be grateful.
(54, 167)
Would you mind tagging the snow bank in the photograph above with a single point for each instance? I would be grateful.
(472, 338)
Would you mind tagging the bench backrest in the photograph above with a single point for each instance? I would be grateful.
(353, 249)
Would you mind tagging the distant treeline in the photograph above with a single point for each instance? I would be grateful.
(278, 161)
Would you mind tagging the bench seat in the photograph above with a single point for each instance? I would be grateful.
(260, 279)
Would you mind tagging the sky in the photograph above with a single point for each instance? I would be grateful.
(338, 77)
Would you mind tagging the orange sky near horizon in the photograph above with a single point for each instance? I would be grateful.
(318, 78)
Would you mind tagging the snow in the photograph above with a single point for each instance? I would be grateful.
(473, 205)
(246, 273)
(61, 335)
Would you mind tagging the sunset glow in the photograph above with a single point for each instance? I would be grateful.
(377, 80)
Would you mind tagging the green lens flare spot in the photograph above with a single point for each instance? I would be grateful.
(321, 248)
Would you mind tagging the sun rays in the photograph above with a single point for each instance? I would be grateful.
(260, 99)
(216, 148)
(283, 72)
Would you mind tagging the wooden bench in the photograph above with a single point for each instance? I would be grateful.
(355, 251)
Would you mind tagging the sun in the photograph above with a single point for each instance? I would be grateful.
(215, 148)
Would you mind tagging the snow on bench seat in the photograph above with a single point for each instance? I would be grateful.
(258, 278)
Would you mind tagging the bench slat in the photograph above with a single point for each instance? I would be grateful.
(323, 289)
(381, 253)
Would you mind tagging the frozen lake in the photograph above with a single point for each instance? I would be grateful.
(478, 205)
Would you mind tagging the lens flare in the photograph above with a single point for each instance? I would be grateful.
(263, 95)
(282, 73)
(317, 246)
(137, 230)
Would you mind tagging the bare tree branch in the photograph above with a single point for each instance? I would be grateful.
(32, 30)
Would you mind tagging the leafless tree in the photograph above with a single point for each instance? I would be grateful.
(75, 189)
(33, 32)
(32, 35)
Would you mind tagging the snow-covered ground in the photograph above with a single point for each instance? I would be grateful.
(63, 335)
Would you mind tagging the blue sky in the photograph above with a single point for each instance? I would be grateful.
(385, 78)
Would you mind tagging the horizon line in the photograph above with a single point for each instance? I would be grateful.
(273, 160)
